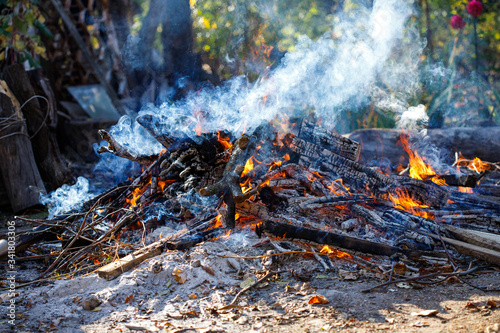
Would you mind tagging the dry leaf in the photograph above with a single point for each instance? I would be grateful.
(318, 299)
(470, 305)
(400, 269)
(425, 313)
(492, 304)
(208, 269)
(179, 275)
(229, 307)
(404, 285)
(129, 299)
(247, 283)
(191, 313)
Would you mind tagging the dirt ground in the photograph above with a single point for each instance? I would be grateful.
(189, 292)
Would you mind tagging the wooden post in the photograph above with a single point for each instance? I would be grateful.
(19, 171)
(52, 166)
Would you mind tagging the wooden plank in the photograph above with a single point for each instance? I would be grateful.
(479, 238)
(479, 252)
(113, 270)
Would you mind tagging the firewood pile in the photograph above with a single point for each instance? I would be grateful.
(288, 180)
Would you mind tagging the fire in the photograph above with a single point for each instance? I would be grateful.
(333, 187)
(136, 194)
(249, 165)
(475, 165)
(197, 128)
(404, 201)
(465, 189)
(335, 252)
(419, 169)
(224, 140)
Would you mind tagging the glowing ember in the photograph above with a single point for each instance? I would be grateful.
(465, 189)
(334, 186)
(335, 252)
(404, 201)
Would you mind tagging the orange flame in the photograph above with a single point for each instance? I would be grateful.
(475, 165)
(224, 141)
(136, 194)
(335, 252)
(404, 201)
(419, 169)
(465, 189)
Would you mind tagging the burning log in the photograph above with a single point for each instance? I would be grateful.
(406, 227)
(290, 231)
(364, 177)
(330, 140)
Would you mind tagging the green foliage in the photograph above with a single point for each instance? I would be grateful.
(239, 37)
(21, 27)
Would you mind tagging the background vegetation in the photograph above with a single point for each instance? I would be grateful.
(247, 37)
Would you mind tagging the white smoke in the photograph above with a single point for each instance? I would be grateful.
(67, 197)
(334, 73)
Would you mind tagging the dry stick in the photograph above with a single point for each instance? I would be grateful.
(242, 291)
(80, 231)
(305, 252)
(415, 278)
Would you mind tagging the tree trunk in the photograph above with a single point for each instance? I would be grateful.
(19, 171)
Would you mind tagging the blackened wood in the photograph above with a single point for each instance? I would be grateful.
(290, 231)
(315, 133)
(19, 170)
(363, 177)
(115, 148)
(404, 227)
(153, 126)
(52, 166)
(192, 240)
(461, 180)
(472, 142)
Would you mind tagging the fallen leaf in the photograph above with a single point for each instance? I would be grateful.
(318, 299)
(492, 304)
(247, 283)
(404, 285)
(193, 296)
(191, 313)
(471, 305)
(400, 269)
(97, 308)
(425, 313)
(208, 269)
(319, 276)
(129, 299)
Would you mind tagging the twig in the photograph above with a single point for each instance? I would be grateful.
(265, 277)
(415, 278)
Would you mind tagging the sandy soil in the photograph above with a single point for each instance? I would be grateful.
(188, 292)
